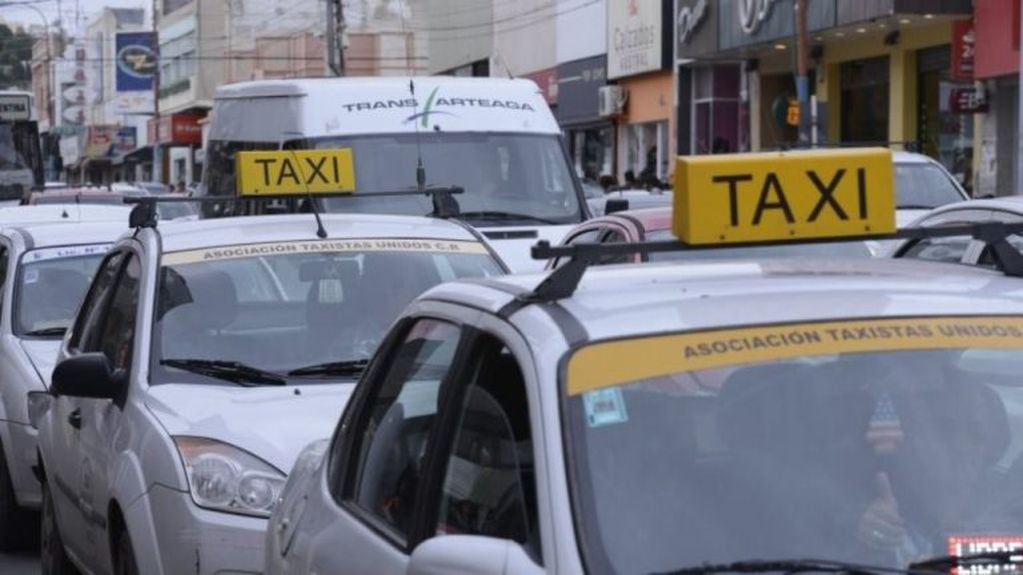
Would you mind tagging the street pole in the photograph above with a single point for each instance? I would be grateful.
(1019, 121)
(802, 71)
(157, 156)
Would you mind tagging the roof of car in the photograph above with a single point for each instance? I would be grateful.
(63, 213)
(179, 235)
(303, 86)
(1005, 204)
(900, 157)
(42, 235)
(677, 297)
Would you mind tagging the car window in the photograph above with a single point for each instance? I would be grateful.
(614, 236)
(118, 332)
(4, 255)
(49, 287)
(489, 483)
(948, 250)
(90, 316)
(589, 236)
(987, 256)
(392, 447)
(924, 186)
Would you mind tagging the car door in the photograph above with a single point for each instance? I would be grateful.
(100, 418)
(64, 463)
(374, 479)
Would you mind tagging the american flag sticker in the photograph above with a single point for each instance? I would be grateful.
(884, 426)
(604, 407)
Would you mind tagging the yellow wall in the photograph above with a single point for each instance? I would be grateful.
(902, 66)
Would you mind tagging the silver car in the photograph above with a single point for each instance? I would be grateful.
(45, 270)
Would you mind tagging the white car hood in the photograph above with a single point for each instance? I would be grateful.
(515, 252)
(43, 355)
(273, 423)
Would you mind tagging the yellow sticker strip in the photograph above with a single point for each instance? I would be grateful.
(604, 364)
(323, 246)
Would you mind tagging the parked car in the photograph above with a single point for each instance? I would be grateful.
(921, 184)
(205, 356)
(962, 249)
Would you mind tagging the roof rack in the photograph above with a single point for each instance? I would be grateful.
(563, 281)
(144, 213)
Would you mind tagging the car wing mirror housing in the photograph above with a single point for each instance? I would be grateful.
(615, 205)
(470, 555)
(87, 375)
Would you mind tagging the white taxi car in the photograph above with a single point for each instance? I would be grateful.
(45, 269)
(205, 356)
(731, 416)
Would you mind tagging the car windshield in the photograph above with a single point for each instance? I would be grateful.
(51, 284)
(879, 442)
(504, 175)
(171, 210)
(814, 250)
(11, 156)
(291, 309)
(924, 186)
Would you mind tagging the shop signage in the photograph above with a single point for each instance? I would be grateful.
(752, 14)
(689, 18)
(579, 82)
(126, 140)
(135, 60)
(967, 100)
(547, 80)
(634, 37)
(963, 50)
(177, 129)
(74, 114)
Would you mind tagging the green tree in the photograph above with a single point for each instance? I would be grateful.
(15, 58)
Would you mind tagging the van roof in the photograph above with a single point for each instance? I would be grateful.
(339, 107)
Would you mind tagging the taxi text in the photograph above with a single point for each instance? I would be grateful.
(295, 172)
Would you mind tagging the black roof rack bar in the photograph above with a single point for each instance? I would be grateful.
(144, 214)
(563, 281)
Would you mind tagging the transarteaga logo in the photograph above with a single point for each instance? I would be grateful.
(437, 105)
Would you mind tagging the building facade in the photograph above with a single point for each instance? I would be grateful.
(996, 69)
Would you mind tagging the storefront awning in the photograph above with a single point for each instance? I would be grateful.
(143, 155)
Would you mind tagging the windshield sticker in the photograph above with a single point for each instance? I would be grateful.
(604, 407)
(324, 246)
(603, 364)
(65, 252)
(31, 276)
(959, 546)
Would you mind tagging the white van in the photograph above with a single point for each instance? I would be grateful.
(495, 138)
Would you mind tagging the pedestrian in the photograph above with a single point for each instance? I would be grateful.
(180, 188)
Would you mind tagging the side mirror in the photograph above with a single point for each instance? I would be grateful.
(615, 205)
(470, 555)
(87, 375)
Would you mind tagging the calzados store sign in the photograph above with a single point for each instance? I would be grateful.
(634, 37)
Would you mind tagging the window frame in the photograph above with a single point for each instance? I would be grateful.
(115, 288)
(75, 339)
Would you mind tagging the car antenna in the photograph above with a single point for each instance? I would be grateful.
(420, 168)
(321, 232)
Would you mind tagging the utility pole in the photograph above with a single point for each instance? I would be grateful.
(336, 36)
(157, 156)
(802, 71)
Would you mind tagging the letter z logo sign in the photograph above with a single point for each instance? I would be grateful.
(741, 198)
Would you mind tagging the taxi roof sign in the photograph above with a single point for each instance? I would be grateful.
(294, 172)
(762, 197)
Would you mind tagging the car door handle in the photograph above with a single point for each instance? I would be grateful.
(75, 419)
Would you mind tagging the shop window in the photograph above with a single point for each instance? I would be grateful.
(719, 122)
(864, 101)
(943, 133)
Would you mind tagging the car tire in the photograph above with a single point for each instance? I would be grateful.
(18, 526)
(53, 557)
(125, 559)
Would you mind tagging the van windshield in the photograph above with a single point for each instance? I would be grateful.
(509, 179)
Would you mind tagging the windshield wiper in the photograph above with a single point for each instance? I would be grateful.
(233, 371)
(498, 216)
(47, 331)
(784, 565)
(945, 562)
(349, 367)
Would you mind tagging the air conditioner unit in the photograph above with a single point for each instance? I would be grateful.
(611, 100)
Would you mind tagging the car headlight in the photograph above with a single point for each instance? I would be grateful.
(225, 478)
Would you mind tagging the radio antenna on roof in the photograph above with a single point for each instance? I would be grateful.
(420, 168)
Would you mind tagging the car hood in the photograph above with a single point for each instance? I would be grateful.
(904, 218)
(43, 355)
(273, 423)
(512, 244)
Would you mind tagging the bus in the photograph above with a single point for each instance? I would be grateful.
(21, 159)
(495, 138)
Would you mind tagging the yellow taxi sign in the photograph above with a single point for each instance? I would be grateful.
(738, 198)
(298, 172)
